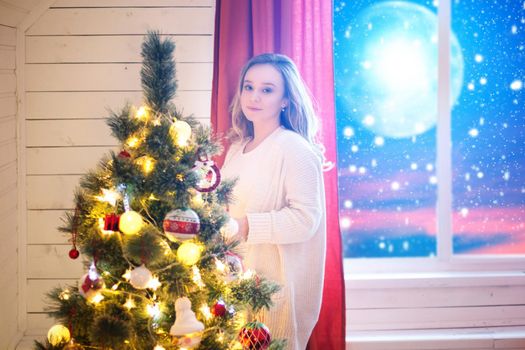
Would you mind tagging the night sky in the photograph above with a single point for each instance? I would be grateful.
(386, 102)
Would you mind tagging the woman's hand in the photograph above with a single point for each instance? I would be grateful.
(243, 228)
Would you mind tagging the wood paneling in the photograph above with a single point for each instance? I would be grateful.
(131, 3)
(9, 269)
(108, 77)
(52, 262)
(110, 49)
(103, 21)
(42, 227)
(7, 82)
(51, 192)
(10, 15)
(7, 35)
(92, 105)
(7, 58)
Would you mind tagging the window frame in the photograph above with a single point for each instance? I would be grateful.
(445, 260)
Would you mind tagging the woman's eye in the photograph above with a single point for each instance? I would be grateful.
(248, 87)
(267, 90)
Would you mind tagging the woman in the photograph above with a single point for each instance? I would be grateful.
(279, 200)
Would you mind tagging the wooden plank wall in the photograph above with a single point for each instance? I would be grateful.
(8, 182)
(83, 57)
(435, 303)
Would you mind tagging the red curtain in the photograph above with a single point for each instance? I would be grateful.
(302, 30)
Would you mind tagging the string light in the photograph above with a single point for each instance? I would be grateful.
(142, 113)
(97, 298)
(153, 310)
(154, 283)
(221, 267)
(159, 347)
(205, 310)
(197, 277)
(127, 275)
(147, 163)
(109, 196)
(129, 304)
(133, 142)
(64, 295)
(220, 337)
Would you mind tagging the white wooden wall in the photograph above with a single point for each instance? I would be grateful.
(8, 183)
(82, 57)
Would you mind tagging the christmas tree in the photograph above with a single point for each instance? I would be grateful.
(150, 224)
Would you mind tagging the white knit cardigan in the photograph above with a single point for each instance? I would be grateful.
(281, 191)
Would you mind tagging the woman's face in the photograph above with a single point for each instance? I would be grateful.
(262, 94)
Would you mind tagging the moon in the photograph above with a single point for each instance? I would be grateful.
(392, 85)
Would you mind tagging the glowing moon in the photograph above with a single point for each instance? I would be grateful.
(393, 52)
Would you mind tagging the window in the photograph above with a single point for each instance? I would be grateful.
(389, 136)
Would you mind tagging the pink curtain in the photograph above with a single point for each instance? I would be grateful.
(301, 29)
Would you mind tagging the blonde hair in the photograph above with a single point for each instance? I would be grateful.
(298, 116)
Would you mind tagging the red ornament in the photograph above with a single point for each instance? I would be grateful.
(181, 224)
(219, 309)
(255, 336)
(124, 154)
(74, 253)
(111, 222)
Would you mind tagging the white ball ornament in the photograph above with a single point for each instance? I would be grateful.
(181, 224)
(189, 253)
(140, 277)
(230, 228)
(58, 334)
(130, 223)
(180, 132)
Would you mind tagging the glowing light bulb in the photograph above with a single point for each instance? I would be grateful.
(97, 298)
(65, 294)
(154, 283)
(109, 196)
(129, 304)
(153, 310)
(205, 310)
(133, 142)
(197, 279)
(147, 164)
(142, 113)
(127, 275)
(220, 265)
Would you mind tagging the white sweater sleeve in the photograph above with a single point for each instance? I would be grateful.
(300, 218)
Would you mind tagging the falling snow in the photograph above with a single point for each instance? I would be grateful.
(389, 178)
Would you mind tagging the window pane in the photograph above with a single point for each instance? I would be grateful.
(488, 129)
(386, 101)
